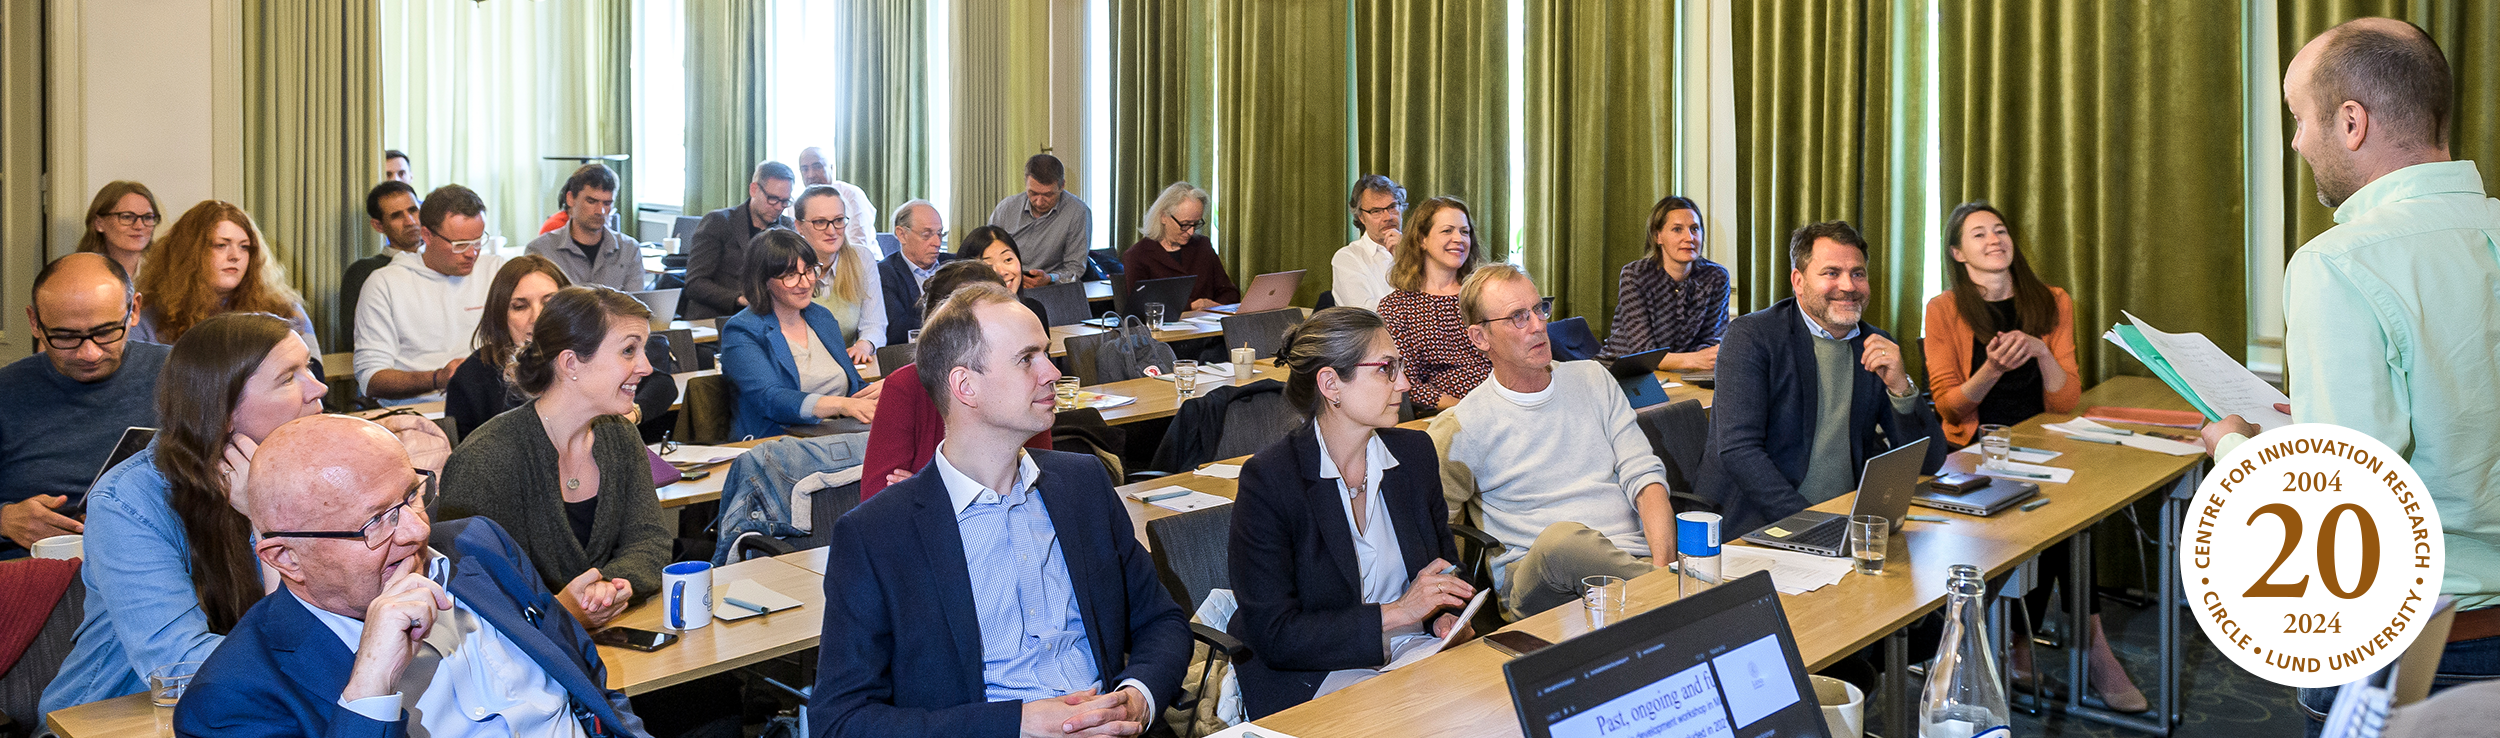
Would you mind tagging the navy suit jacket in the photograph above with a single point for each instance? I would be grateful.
(1762, 417)
(280, 672)
(902, 296)
(757, 360)
(901, 654)
(1294, 568)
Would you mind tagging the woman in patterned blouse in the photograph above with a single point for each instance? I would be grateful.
(1422, 306)
(1671, 298)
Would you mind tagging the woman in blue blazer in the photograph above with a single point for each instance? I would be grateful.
(1340, 536)
(784, 352)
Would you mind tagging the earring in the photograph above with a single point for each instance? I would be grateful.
(1332, 402)
(577, 377)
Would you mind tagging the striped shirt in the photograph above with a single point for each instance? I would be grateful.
(1656, 311)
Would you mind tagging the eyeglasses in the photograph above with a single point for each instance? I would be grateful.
(1525, 318)
(827, 224)
(105, 336)
(378, 530)
(1395, 207)
(127, 218)
(472, 245)
(927, 234)
(775, 203)
(1390, 369)
(796, 278)
(1188, 225)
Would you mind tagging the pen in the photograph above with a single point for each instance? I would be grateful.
(2023, 475)
(2089, 439)
(2110, 431)
(2019, 449)
(1162, 494)
(2035, 504)
(759, 609)
(1926, 518)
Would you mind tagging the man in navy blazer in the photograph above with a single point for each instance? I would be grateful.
(1779, 441)
(383, 619)
(999, 592)
(921, 233)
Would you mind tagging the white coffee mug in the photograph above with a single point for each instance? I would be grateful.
(69, 546)
(1844, 706)
(686, 595)
(669, 245)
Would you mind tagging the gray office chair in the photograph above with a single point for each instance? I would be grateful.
(897, 356)
(1191, 552)
(1062, 304)
(1262, 332)
(887, 245)
(1679, 432)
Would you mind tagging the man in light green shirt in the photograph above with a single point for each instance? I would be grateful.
(2392, 317)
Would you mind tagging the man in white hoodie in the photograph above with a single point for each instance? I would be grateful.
(1549, 454)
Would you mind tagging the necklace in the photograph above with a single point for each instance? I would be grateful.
(574, 483)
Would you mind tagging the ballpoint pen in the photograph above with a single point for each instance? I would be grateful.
(2023, 475)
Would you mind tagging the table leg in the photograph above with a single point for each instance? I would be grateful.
(2165, 715)
(1899, 700)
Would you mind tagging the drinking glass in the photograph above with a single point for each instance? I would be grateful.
(1996, 442)
(1605, 599)
(1154, 316)
(1868, 534)
(1065, 387)
(1185, 377)
(165, 687)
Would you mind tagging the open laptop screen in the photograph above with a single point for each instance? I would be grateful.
(1719, 663)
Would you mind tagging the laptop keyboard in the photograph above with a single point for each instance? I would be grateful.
(1827, 534)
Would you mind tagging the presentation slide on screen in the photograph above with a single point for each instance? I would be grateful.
(1753, 678)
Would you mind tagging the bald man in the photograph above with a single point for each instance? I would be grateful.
(814, 171)
(2390, 316)
(382, 621)
(62, 410)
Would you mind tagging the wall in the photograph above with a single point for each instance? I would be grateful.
(147, 90)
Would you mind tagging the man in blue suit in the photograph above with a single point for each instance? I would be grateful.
(921, 233)
(999, 592)
(1808, 392)
(386, 624)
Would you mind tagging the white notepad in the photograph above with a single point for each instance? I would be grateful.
(748, 590)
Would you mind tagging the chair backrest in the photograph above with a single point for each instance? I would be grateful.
(1679, 432)
(1327, 299)
(887, 244)
(681, 347)
(21, 687)
(1081, 351)
(685, 224)
(1106, 261)
(1253, 422)
(1062, 303)
(897, 356)
(1572, 340)
(1190, 552)
(1262, 332)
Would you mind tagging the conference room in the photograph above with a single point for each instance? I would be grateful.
(1270, 368)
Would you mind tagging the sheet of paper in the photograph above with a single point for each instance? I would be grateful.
(1792, 572)
(2022, 472)
(1191, 501)
(1220, 471)
(692, 454)
(749, 590)
(2034, 456)
(1100, 401)
(2088, 429)
(2224, 384)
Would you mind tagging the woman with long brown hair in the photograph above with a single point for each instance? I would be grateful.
(121, 224)
(214, 261)
(482, 387)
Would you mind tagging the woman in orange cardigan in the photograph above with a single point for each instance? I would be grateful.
(2001, 348)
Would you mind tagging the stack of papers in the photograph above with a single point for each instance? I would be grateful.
(1220, 471)
(1098, 400)
(692, 455)
(2085, 428)
(2201, 373)
(1792, 572)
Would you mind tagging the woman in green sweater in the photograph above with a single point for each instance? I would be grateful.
(565, 473)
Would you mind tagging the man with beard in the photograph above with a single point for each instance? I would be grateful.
(1808, 392)
(390, 210)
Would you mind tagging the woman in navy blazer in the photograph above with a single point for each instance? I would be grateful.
(1340, 535)
(781, 352)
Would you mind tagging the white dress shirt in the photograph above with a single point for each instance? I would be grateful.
(1377, 553)
(412, 318)
(1360, 273)
(483, 685)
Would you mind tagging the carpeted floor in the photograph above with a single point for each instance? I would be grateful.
(2218, 699)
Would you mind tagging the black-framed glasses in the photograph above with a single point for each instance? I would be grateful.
(1188, 225)
(775, 203)
(378, 530)
(827, 224)
(1525, 318)
(105, 336)
(127, 218)
(1395, 207)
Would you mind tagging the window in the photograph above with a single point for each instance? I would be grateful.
(659, 164)
(803, 79)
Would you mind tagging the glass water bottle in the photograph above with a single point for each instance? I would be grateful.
(1963, 697)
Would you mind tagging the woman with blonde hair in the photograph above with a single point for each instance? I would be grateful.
(121, 223)
(214, 261)
(846, 282)
(1173, 243)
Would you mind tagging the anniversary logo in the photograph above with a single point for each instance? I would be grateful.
(2312, 556)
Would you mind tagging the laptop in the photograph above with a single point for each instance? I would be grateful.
(1170, 292)
(1645, 362)
(1722, 662)
(1883, 489)
(1642, 390)
(2000, 493)
(1272, 291)
(663, 304)
(132, 441)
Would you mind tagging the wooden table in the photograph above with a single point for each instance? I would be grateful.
(1173, 330)
(1461, 692)
(1158, 398)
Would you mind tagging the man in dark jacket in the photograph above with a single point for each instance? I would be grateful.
(921, 232)
(716, 255)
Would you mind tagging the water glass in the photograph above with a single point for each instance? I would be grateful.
(1605, 598)
(1996, 443)
(1154, 316)
(1065, 387)
(165, 687)
(1244, 358)
(1185, 377)
(1868, 534)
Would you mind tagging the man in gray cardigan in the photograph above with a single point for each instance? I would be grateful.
(1522, 448)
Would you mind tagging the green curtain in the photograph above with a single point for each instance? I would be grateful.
(611, 41)
(2468, 31)
(1432, 105)
(1600, 111)
(1280, 161)
(311, 141)
(1828, 120)
(727, 56)
(881, 140)
(1002, 102)
(1163, 108)
(2110, 134)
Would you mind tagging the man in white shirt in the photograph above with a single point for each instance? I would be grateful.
(863, 214)
(1361, 269)
(416, 318)
(1549, 454)
(385, 625)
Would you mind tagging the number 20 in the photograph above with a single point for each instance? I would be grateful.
(2326, 553)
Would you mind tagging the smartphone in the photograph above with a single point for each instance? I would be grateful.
(1954, 483)
(634, 638)
(1516, 643)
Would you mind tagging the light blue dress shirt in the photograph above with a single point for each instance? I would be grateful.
(1033, 643)
(483, 686)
